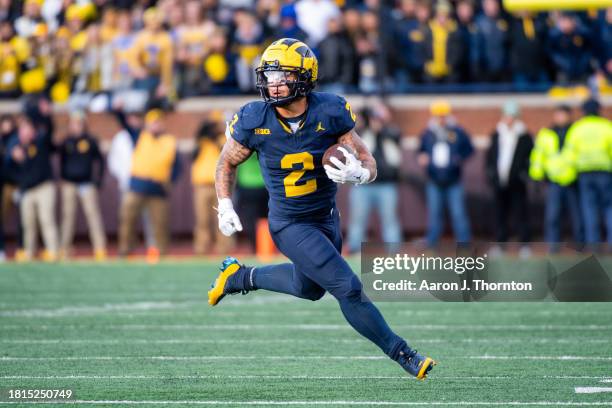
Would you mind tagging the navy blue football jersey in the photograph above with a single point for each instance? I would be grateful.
(291, 162)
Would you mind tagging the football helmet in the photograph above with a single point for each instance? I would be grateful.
(287, 62)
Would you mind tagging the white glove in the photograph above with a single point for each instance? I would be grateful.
(349, 172)
(228, 219)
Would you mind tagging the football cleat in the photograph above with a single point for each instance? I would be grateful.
(416, 364)
(226, 283)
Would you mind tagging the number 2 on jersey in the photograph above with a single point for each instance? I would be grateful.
(307, 162)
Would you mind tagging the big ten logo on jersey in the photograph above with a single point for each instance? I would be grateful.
(262, 131)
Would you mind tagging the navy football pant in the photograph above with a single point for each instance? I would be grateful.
(318, 267)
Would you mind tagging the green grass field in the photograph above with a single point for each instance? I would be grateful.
(126, 334)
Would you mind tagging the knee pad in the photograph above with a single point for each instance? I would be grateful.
(350, 289)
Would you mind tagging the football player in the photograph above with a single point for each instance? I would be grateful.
(290, 130)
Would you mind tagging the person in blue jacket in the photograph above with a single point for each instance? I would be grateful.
(445, 147)
(571, 49)
(493, 42)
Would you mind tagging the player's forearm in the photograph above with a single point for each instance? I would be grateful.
(232, 155)
(368, 162)
(225, 178)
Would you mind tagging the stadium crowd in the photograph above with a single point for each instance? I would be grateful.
(572, 156)
(179, 48)
(136, 59)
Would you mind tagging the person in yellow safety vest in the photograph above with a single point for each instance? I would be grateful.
(547, 163)
(155, 165)
(588, 147)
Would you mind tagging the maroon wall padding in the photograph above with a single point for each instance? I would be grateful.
(412, 207)
(478, 121)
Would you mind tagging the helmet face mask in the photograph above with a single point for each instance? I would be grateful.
(286, 63)
(297, 82)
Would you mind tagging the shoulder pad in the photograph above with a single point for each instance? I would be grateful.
(253, 114)
(331, 104)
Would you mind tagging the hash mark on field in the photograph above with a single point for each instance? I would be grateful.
(326, 403)
(290, 358)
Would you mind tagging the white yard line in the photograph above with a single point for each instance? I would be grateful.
(319, 403)
(592, 390)
(199, 377)
(560, 358)
(190, 358)
(174, 341)
(505, 340)
(277, 340)
(105, 308)
(518, 313)
(130, 293)
(291, 358)
(283, 377)
(131, 296)
(266, 327)
(199, 308)
(163, 307)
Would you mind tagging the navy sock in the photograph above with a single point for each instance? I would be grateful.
(247, 278)
(241, 280)
(276, 278)
(280, 278)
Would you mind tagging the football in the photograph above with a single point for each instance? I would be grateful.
(333, 151)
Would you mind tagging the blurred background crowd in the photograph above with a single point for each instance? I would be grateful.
(47, 172)
(132, 168)
(89, 50)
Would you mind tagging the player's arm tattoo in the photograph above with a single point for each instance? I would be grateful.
(232, 155)
(353, 140)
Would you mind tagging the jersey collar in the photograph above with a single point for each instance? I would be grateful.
(285, 125)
